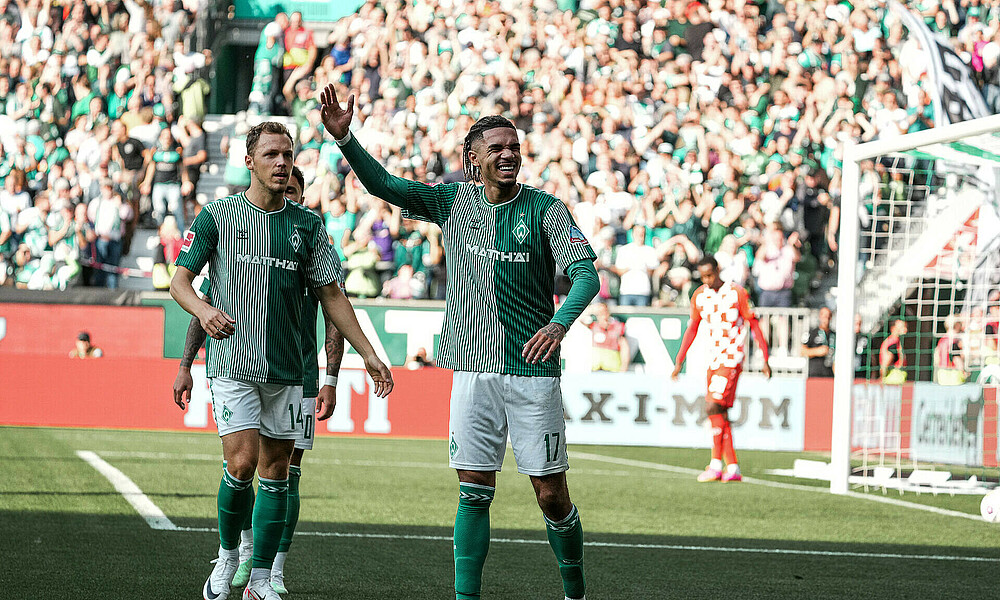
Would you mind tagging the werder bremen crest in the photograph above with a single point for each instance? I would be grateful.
(295, 239)
(521, 231)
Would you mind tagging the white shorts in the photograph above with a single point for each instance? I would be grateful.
(486, 406)
(269, 407)
(308, 429)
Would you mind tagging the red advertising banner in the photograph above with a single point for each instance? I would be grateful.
(136, 393)
(51, 329)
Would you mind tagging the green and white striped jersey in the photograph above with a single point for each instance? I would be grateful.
(260, 268)
(501, 262)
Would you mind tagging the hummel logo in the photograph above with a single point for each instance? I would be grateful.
(242, 234)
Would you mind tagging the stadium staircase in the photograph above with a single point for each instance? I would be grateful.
(912, 246)
(146, 240)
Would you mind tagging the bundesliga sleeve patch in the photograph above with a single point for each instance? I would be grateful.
(188, 240)
(576, 236)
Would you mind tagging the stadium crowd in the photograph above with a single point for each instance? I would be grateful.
(671, 128)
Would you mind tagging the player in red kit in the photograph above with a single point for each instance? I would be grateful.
(725, 310)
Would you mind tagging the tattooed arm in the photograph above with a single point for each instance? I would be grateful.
(334, 345)
(193, 342)
(326, 401)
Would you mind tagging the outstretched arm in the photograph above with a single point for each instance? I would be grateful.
(418, 199)
(339, 311)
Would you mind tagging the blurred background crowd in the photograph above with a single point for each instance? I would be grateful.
(672, 128)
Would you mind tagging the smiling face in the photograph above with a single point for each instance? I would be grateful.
(498, 156)
(271, 162)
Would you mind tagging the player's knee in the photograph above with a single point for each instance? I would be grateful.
(715, 408)
(241, 466)
(554, 501)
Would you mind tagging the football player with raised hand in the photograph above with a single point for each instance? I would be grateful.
(501, 333)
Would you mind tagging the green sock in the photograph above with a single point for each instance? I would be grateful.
(232, 503)
(472, 538)
(268, 520)
(566, 539)
(292, 513)
(248, 521)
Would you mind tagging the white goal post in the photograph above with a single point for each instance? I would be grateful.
(971, 148)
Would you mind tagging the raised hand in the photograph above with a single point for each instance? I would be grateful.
(337, 120)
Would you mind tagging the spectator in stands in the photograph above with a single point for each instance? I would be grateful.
(819, 344)
(419, 360)
(108, 213)
(403, 286)
(194, 156)
(234, 147)
(362, 257)
(634, 265)
(610, 348)
(991, 328)
(300, 54)
(267, 65)
(84, 348)
(774, 267)
(7, 246)
(949, 354)
(166, 178)
(891, 359)
(168, 247)
(84, 242)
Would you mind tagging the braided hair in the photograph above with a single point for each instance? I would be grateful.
(475, 134)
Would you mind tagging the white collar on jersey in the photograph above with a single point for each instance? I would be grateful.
(259, 209)
(482, 194)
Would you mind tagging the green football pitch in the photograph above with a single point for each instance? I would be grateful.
(117, 514)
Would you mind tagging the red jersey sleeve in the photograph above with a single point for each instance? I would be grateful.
(695, 311)
(746, 310)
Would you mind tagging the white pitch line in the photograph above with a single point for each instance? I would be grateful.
(321, 461)
(130, 491)
(679, 547)
(778, 484)
(155, 518)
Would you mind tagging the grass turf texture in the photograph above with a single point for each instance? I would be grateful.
(67, 533)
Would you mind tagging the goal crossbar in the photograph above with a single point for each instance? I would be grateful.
(929, 137)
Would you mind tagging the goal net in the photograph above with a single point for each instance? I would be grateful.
(918, 308)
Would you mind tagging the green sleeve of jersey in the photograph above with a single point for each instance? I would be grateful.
(565, 238)
(199, 243)
(205, 287)
(418, 200)
(585, 286)
(323, 265)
